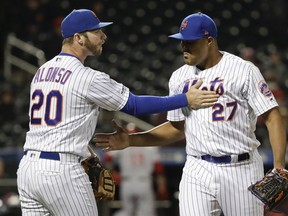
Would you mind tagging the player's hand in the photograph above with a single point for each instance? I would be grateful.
(199, 98)
(112, 141)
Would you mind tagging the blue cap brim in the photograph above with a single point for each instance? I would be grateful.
(98, 26)
(103, 24)
(180, 36)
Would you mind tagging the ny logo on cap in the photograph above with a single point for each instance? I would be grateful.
(184, 25)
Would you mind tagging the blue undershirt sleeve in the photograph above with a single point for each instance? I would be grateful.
(144, 105)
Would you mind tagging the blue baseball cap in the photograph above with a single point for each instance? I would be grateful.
(196, 26)
(80, 21)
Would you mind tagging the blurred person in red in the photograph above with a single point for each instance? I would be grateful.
(139, 167)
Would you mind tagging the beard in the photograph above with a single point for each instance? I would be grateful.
(94, 49)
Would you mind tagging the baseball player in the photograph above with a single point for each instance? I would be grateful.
(222, 157)
(137, 166)
(65, 100)
(136, 173)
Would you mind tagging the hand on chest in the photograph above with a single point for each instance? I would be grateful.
(216, 84)
(226, 107)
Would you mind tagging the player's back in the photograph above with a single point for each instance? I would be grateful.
(61, 116)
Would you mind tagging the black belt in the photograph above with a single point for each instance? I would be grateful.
(47, 155)
(225, 159)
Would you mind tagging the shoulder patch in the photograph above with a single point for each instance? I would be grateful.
(264, 88)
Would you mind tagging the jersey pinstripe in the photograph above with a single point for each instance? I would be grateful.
(227, 127)
(66, 98)
(50, 187)
(209, 189)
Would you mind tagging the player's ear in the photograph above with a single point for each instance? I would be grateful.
(78, 39)
(210, 40)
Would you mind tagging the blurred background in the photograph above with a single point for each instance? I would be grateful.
(137, 53)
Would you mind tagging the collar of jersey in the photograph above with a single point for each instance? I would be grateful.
(67, 54)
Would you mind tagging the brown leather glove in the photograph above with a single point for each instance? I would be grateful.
(101, 179)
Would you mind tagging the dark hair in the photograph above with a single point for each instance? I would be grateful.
(69, 40)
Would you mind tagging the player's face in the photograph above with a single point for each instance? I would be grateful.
(94, 41)
(195, 52)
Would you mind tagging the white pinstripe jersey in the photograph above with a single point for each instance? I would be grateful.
(227, 127)
(65, 100)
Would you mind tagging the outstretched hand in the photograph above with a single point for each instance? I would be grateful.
(198, 98)
(112, 141)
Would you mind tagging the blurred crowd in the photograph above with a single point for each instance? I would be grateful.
(138, 52)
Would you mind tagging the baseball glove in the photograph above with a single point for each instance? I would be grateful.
(101, 179)
(272, 190)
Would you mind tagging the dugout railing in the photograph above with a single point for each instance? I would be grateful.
(13, 47)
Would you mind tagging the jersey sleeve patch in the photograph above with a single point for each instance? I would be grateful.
(264, 88)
